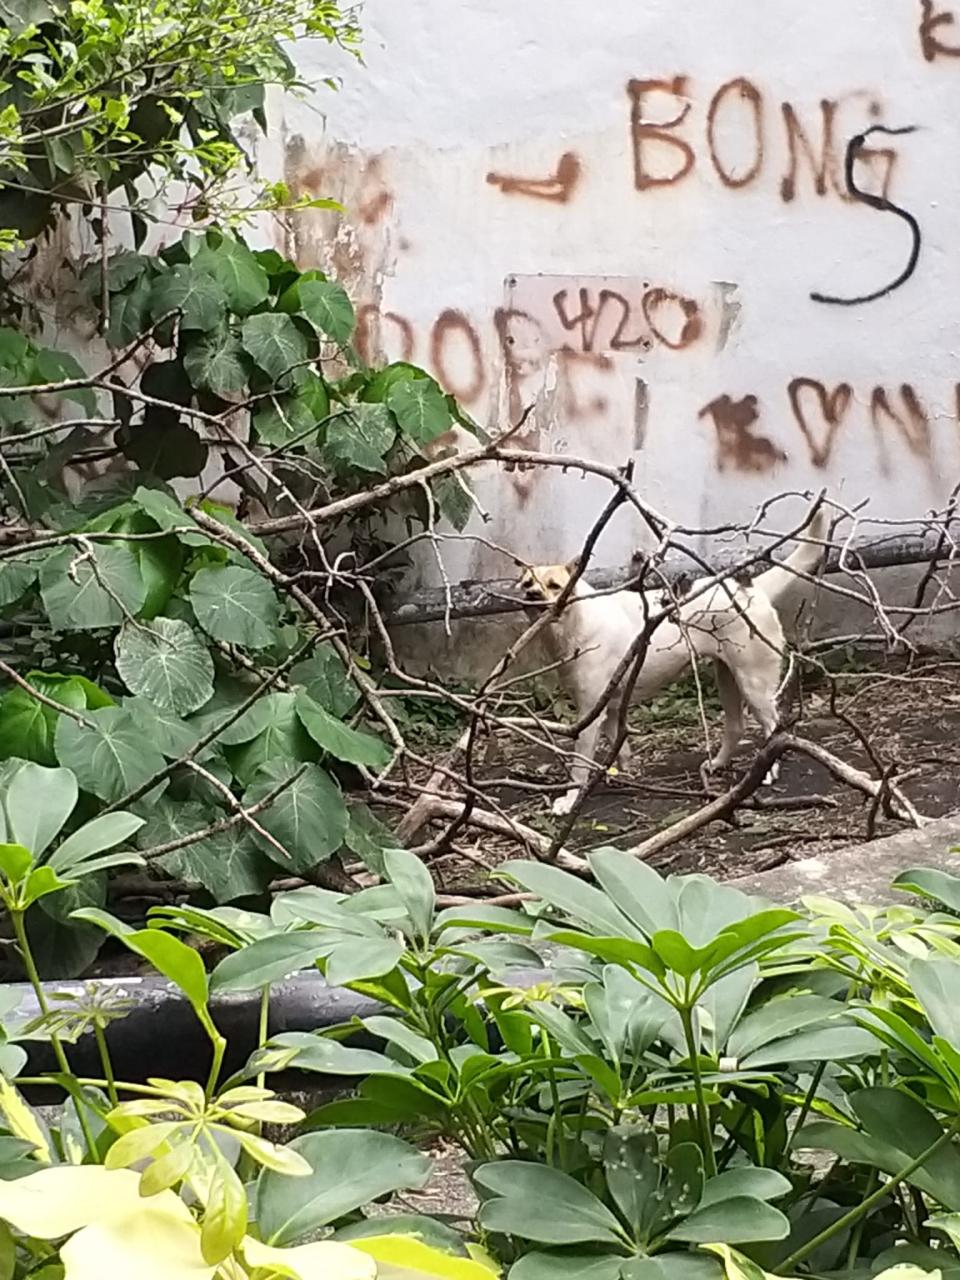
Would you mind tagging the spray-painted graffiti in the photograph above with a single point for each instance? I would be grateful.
(558, 187)
(932, 19)
(571, 317)
(665, 151)
(821, 412)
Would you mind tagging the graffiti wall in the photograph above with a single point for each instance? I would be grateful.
(642, 219)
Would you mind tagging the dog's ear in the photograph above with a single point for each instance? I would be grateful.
(572, 565)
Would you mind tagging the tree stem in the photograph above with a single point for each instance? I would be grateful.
(866, 1205)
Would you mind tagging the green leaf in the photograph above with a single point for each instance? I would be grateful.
(275, 343)
(309, 818)
(406, 1224)
(367, 837)
(27, 727)
(167, 513)
(453, 499)
(78, 596)
(778, 1019)
(130, 313)
(391, 1029)
(235, 605)
(631, 1167)
(569, 1266)
(420, 408)
(165, 661)
(175, 960)
(760, 1184)
(339, 739)
(38, 802)
(325, 679)
(327, 307)
(225, 1214)
(898, 1128)
(268, 960)
(936, 984)
(168, 733)
(739, 1220)
(160, 561)
(581, 901)
(360, 436)
(16, 577)
(676, 1266)
(111, 757)
(104, 832)
(60, 366)
(197, 296)
(350, 1169)
(214, 362)
(163, 445)
(929, 883)
(278, 740)
(308, 1052)
(228, 864)
(538, 1203)
(283, 420)
(236, 270)
(359, 959)
(15, 861)
(414, 886)
(838, 1042)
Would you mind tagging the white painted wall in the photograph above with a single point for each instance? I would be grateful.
(452, 93)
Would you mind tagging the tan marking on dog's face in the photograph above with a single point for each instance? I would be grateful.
(543, 583)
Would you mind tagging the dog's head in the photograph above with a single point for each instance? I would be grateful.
(542, 584)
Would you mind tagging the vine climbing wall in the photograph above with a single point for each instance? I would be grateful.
(718, 237)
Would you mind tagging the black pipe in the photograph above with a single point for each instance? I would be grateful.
(161, 1036)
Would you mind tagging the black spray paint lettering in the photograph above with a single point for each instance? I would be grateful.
(854, 148)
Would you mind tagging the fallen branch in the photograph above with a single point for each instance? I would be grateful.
(439, 807)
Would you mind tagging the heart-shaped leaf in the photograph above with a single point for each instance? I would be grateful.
(235, 605)
(83, 590)
(165, 661)
(308, 817)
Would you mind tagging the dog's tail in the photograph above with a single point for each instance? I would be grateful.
(776, 582)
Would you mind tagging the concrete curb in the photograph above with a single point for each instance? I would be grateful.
(861, 873)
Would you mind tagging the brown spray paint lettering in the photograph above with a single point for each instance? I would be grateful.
(584, 320)
(738, 447)
(931, 20)
(557, 188)
(664, 153)
(821, 411)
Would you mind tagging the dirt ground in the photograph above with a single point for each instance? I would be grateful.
(910, 716)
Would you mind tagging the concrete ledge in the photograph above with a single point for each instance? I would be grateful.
(862, 873)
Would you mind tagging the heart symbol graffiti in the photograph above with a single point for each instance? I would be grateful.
(833, 407)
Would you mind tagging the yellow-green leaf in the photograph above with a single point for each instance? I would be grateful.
(323, 1260)
(21, 1122)
(406, 1258)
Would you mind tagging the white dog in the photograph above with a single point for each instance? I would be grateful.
(737, 626)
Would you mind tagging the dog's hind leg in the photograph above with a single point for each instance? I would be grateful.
(759, 689)
(732, 703)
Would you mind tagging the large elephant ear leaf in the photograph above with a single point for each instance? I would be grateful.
(235, 605)
(166, 661)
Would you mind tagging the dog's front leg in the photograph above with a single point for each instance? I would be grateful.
(584, 750)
